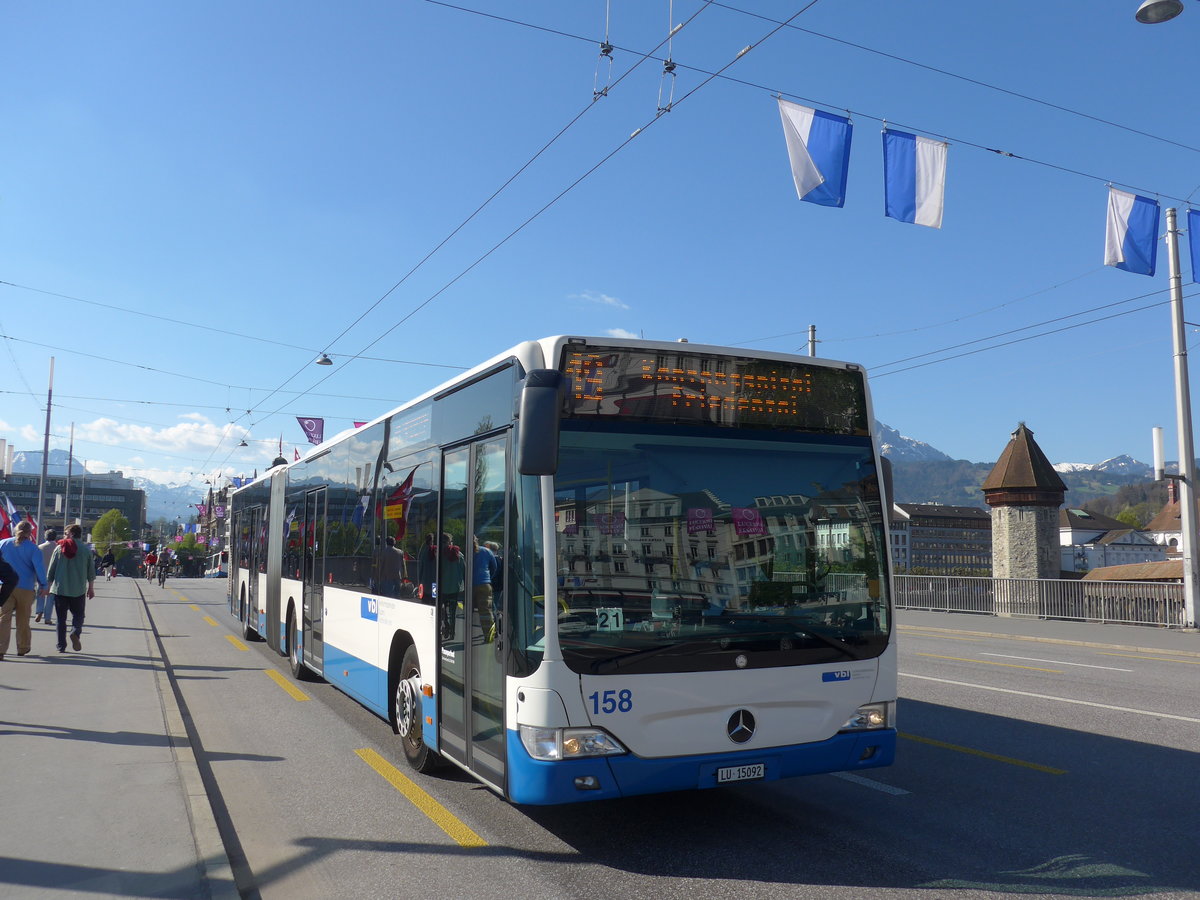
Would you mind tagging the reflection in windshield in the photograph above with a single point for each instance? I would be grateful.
(678, 553)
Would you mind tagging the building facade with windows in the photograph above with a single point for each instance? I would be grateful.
(97, 494)
(941, 540)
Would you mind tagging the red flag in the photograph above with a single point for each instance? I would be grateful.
(359, 424)
(295, 453)
(397, 503)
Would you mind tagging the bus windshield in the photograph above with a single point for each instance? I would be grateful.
(687, 549)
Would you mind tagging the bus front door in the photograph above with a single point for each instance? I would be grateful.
(470, 591)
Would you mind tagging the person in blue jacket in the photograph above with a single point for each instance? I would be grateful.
(22, 553)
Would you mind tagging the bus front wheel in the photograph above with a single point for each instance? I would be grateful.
(406, 713)
(295, 649)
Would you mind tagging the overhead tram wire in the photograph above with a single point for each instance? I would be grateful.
(495, 194)
(1074, 315)
(946, 72)
(927, 327)
(877, 375)
(983, 84)
(636, 133)
(225, 332)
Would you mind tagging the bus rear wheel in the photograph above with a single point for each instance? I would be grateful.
(249, 632)
(406, 714)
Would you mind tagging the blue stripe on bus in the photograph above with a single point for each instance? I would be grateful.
(364, 682)
(541, 783)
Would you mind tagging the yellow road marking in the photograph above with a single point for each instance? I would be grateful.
(236, 642)
(985, 662)
(992, 756)
(194, 607)
(437, 813)
(211, 621)
(1190, 662)
(934, 634)
(295, 692)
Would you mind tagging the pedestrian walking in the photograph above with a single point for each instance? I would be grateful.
(108, 564)
(22, 554)
(72, 572)
(45, 604)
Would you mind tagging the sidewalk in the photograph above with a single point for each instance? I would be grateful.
(1127, 637)
(99, 789)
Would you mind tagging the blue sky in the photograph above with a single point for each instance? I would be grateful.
(197, 198)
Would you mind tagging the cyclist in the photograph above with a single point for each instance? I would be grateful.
(150, 560)
(162, 574)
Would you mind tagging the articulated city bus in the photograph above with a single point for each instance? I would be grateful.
(593, 568)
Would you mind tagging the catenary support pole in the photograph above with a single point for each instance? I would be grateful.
(45, 451)
(1183, 418)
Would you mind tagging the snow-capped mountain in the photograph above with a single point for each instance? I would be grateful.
(899, 448)
(1118, 465)
(29, 462)
(166, 501)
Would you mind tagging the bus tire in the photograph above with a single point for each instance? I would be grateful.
(249, 632)
(406, 714)
(295, 651)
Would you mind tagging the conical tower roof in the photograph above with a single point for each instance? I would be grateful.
(1023, 476)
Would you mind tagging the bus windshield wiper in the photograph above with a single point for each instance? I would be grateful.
(790, 625)
(617, 662)
(828, 641)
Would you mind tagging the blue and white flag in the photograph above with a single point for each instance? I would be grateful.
(1193, 226)
(1131, 236)
(914, 178)
(819, 150)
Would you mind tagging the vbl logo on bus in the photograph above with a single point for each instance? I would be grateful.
(370, 609)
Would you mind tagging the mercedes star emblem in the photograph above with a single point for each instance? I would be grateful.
(740, 727)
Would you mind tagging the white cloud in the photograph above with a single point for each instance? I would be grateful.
(600, 299)
(29, 434)
(193, 437)
(196, 417)
(620, 333)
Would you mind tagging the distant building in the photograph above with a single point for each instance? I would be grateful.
(1092, 540)
(941, 540)
(99, 494)
(1025, 493)
(1168, 571)
(1166, 528)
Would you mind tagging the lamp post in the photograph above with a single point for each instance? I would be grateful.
(1183, 422)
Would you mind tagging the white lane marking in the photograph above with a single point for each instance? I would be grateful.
(1057, 662)
(867, 782)
(1000, 690)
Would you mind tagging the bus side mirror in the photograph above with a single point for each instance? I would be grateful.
(537, 434)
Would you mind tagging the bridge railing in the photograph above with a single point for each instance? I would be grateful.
(1129, 603)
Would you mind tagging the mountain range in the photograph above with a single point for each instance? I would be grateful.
(921, 472)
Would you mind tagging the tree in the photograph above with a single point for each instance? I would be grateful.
(111, 532)
(1130, 517)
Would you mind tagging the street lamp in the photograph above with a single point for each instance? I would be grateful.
(1151, 12)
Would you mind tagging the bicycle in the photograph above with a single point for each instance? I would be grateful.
(162, 576)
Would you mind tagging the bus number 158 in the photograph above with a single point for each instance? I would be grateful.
(611, 701)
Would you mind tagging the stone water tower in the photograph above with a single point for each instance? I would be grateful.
(1025, 493)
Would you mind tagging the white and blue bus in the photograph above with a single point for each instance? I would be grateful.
(593, 568)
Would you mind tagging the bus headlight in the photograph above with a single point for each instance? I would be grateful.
(870, 716)
(568, 743)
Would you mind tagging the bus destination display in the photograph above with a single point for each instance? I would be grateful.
(684, 387)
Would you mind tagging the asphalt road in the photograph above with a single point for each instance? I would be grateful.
(1045, 769)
